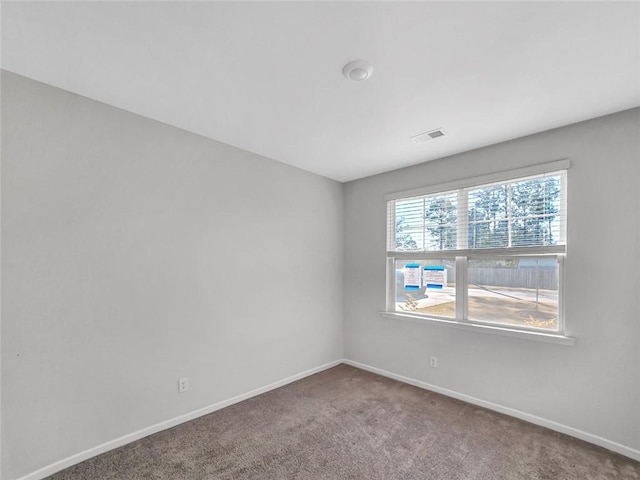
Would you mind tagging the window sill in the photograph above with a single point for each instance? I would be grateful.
(496, 330)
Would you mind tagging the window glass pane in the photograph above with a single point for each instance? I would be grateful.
(409, 226)
(520, 291)
(536, 196)
(440, 214)
(534, 207)
(488, 203)
(490, 234)
(515, 214)
(488, 209)
(426, 223)
(426, 287)
(536, 231)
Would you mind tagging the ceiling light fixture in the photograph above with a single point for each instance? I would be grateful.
(358, 70)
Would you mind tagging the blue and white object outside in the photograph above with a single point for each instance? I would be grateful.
(434, 277)
(412, 276)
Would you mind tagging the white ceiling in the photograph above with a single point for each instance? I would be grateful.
(266, 76)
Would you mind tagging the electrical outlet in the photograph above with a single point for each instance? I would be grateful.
(433, 362)
(183, 384)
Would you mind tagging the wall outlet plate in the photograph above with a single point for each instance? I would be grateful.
(183, 384)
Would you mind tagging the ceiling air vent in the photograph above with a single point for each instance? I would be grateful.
(423, 137)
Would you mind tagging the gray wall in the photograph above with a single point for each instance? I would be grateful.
(135, 253)
(593, 386)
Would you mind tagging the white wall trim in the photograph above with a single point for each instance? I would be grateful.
(158, 427)
(527, 417)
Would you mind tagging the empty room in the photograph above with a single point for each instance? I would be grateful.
(320, 240)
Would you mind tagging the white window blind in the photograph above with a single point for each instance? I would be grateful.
(518, 214)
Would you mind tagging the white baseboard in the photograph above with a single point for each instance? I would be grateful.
(543, 422)
(124, 440)
(158, 427)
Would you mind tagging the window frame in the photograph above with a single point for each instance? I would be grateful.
(463, 255)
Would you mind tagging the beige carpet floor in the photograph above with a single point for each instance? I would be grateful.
(346, 423)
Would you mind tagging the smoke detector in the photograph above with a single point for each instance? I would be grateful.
(358, 70)
(426, 136)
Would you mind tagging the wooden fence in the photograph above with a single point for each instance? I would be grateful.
(543, 278)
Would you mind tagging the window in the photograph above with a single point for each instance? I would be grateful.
(488, 251)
